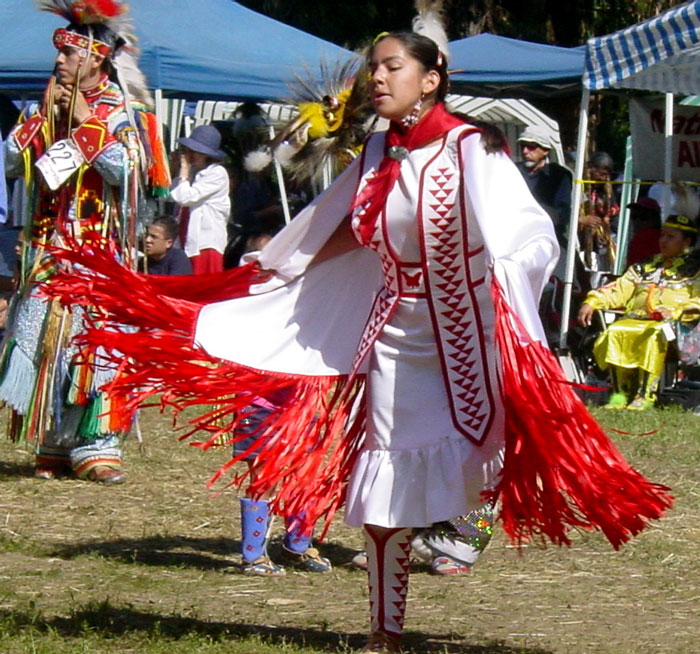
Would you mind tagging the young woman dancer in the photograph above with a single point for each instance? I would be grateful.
(400, 310)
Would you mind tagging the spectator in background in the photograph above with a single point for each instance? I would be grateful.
(549, 183)
(201, 188)
(651, 293)
(161, 257)
(645, 218)
(297, 549)
(598, 215)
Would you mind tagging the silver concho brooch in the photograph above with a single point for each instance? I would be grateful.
(397, 152)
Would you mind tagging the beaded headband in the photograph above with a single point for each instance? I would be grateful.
(63, 37)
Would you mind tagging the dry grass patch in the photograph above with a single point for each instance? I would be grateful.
(149, 567)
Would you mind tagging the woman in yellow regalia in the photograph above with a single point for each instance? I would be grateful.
(651, 293)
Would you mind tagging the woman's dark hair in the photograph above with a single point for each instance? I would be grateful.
(492, 136)
(426, 51)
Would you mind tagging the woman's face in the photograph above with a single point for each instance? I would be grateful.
(398, 80)
(197, 160)
(672, 242)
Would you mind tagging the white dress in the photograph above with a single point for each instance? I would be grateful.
(416, 468)
(434, 430)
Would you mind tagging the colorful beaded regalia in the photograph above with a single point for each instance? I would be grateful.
(116, 167)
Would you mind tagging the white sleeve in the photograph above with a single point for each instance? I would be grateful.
(290, 251)
(518, 233)
(206, 183)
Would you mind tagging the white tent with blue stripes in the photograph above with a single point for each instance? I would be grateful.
(661, 54)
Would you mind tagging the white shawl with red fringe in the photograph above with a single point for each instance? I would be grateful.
(561, 469)
(310, 320)
(302, 328)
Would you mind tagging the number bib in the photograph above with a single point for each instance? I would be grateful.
(59, 162)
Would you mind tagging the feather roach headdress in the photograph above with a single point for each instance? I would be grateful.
(102, 27)
(332, 123)
(84, 12)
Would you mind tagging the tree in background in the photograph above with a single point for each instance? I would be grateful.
(353, 24)
(555, 22)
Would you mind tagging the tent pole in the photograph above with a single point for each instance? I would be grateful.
(158, 99)
(629, 194)
(280, 183)
(576, 195)
(668, 154)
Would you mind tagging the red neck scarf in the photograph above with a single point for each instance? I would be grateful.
(399, 142)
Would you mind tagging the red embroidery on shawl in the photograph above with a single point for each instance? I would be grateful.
(454, 307)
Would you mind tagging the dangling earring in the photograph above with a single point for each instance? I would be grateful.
(411, 119)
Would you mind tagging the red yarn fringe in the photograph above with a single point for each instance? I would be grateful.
(561, 469)
(306, 449)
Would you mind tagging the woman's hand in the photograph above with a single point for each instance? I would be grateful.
(664, 313)
(585, 315)
(341, 241)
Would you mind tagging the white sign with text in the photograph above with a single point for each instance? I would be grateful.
(647, 118)
(59, 162)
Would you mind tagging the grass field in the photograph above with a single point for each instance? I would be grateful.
(149, 567)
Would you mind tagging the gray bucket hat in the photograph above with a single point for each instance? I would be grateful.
(538, 135)
(206, 140)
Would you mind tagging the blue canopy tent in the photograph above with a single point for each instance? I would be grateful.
(209, 49)
(499, 67)
(661, 54)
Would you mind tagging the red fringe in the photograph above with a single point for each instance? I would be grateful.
(185, 293)
(307, 449)
(561, 469)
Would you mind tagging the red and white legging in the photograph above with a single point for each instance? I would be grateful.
(388, 555)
